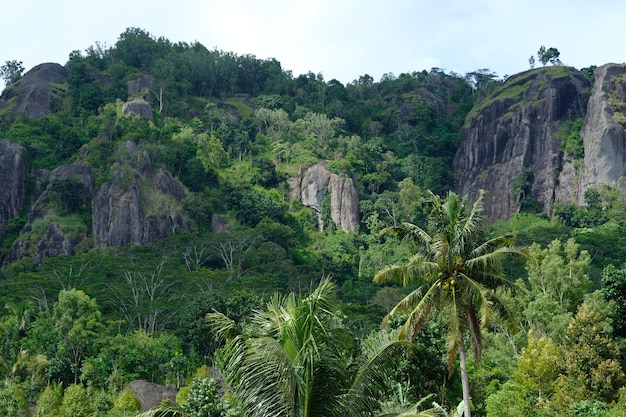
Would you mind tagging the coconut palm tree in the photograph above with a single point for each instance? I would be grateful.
(456, 271)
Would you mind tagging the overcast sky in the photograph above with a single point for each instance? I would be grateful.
(342, 39)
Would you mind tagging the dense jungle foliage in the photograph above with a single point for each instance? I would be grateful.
(75, 330)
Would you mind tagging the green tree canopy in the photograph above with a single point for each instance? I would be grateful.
(11, 71)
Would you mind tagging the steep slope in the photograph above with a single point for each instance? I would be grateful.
(12, 192)
(603, 131)
(508, 145)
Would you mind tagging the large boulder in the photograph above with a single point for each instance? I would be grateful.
(509, 142)
(33, 94)
(604, 131)
(315, 183)
(138, 107)
(151, 395)
(12, 191)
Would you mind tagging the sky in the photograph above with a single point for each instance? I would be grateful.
(341, 39)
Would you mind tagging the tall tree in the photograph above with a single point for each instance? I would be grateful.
(457, 273)
(11, 71)
(77, 324)
(550, 55)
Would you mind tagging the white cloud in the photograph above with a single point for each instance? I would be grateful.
(342, 39)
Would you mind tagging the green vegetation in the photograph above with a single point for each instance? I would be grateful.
(571, 140)
(234, 131)
(518, 85)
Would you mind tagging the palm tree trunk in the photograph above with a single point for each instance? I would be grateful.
(464, 380)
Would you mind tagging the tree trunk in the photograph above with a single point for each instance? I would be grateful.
(464, 380)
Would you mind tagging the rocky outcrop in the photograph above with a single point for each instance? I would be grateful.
(69, 187)
(33, 94)
(219, 223)
(603, 131)
(12, 190)
(137, 206)
(344, 202)
(50, 199)
(312, 185)
(509, 141)
(138, 107)
(142, 84)
(136, 209)
(151, 395)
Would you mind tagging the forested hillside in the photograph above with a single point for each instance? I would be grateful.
(151, 183)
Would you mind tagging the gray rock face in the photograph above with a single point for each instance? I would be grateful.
(344, 202)
(219, 224)
(136, 211)
(78, 171)
(54, 240)
(136, 207)
(34, 92)
(141, 85)
(151, 395)
(603, 131)
(116, 215)
(138, 107)
(514, 131)
(13, 186)
(311, 186)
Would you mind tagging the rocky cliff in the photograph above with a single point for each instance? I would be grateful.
(140, 203)
(508, 145)
(603, 131)
(137, 205)
(316, 183)
(12, 191)
(51, 230)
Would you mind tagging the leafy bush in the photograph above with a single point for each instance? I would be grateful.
(49, 402)
(9, 403)
(127, 402)
(204, 400)
(75, 402)
(571, 140)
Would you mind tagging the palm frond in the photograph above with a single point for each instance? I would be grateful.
(476, 294)
(420, 302)
(452, 320)
(289, 363)
(370, 379)
(409, 231)
(475, 218)
(505, 240)
(166, 409)
(416, 270)
(223, 327)
(490, 257)
(505, 310)
(262, 377)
